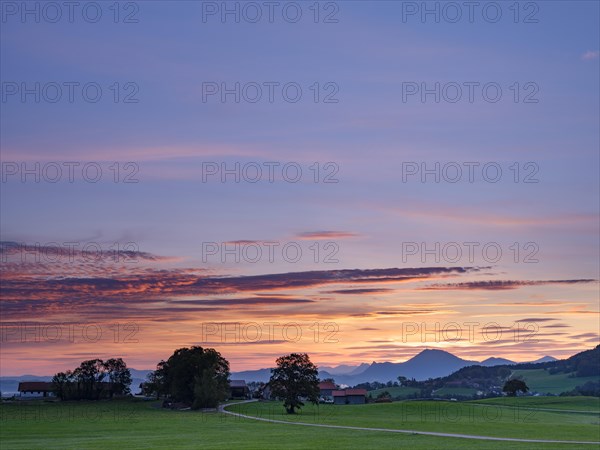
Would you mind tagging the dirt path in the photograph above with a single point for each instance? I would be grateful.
(390, 430)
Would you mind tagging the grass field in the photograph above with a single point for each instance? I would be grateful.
(591, 404)
(139, 424)
(541, 381)
(456, 391)
(398, 391)
(448, 417)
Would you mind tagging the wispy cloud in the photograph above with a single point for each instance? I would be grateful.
(536, 319)
(326, 235)
(590, 55)
(498, 285)
(148, 291)
(245, 301)
(360, 291)
(585, 336)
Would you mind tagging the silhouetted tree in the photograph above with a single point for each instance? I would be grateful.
(89, 376)
(384, 394)
(194, 375)
(295, 376)
(61, 383)
(88, 380)
(118, 375)
(511, 387)
(155, 384)
(206, 390)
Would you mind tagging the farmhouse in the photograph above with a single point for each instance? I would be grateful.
(265, 392)
(36, 389)
(238, 389)
(326, 389)
(350, 396)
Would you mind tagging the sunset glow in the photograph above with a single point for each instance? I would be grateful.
(362, 229)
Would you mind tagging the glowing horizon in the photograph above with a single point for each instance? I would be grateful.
(375, 202)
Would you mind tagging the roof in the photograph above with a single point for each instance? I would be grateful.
(348, 392)
(35, 386)
(237, 383)
(327, 385)
(356, 392)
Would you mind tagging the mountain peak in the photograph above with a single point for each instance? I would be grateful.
(494, 361)
(545, 359)
(433, 353)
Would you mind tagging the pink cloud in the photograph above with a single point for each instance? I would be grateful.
(590, 54)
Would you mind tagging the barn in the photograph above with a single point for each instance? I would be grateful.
(326, 389)
(350, 397)
(238, 389)
(36, 389)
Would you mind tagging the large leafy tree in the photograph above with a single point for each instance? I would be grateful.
(207, 392)
(89, 377)
(511, 387)
(62, 383)
(294, 377)
(118, 375)
(155, 383)
(194, 375)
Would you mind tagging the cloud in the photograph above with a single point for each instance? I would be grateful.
(77, 259)
(498, 285)
(399, 312)
(536, 303)
(245, 301)
(239, 341)
(69, 251)
(487, 328)
(326, 235)
(360, 291)
(142, 292)
(590, 55)
(470, 215)
(536, 319)
(586, 336)
(531, 341)
(403, 312)
(293, 280)
(572, 311)
(145, 153)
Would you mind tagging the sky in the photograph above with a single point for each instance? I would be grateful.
(355, 180)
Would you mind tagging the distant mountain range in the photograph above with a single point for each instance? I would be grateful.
(345, 369)
(501, 361)
(427, 364)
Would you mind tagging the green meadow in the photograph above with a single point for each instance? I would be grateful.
(589, 404)
(142, 424)
(539, 380)
(457, 391)
(497, 420)
(395, 391)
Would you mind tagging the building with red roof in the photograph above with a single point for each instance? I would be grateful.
(349, 396)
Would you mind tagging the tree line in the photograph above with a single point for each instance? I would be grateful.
(195, 376)
(200, 378)
(94, 379)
